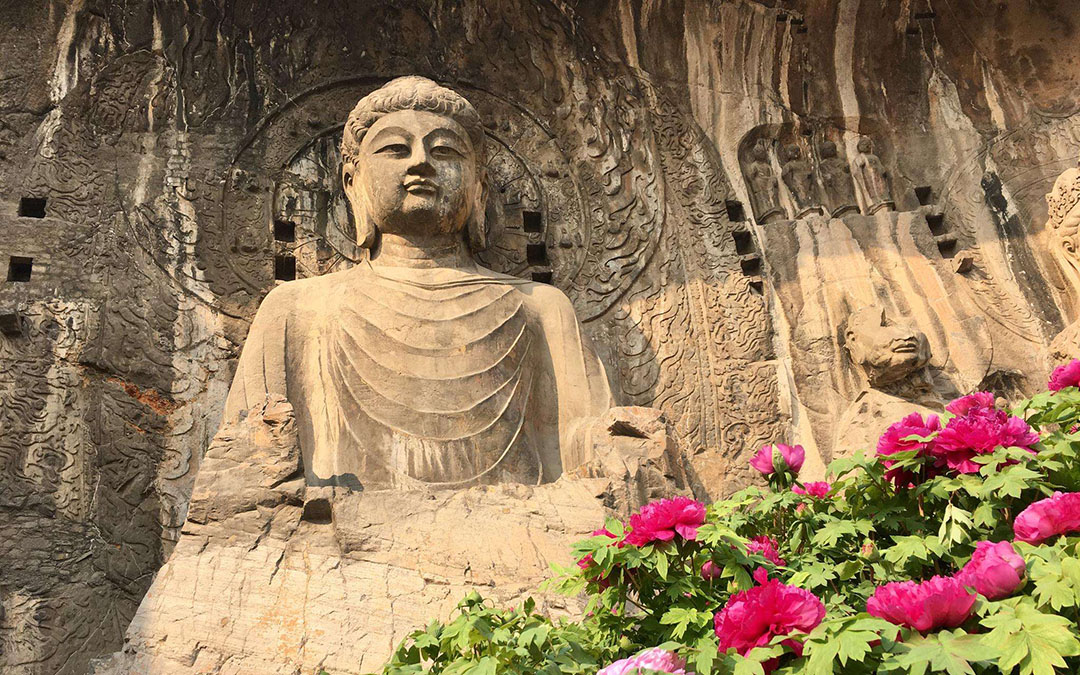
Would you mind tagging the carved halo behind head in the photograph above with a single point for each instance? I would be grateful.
(415, 93)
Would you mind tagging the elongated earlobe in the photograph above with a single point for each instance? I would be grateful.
(365, 228)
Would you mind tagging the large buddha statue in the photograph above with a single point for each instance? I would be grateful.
(419, 366)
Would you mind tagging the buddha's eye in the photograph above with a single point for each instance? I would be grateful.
(445, 152)
(393, 149)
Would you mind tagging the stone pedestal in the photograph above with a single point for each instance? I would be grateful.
(271, 576)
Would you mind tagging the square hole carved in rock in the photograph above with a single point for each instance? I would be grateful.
(536, 254)
(531, 221)
(751, 267)
(32, 207)
(936, 222)
(735, 211)
(744, 241)
(284, 230)
(284, 267)
(20, 268)
(947, 248)
(542, 277)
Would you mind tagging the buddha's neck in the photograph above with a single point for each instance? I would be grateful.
(419, 251)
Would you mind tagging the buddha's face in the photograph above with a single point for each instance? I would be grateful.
(417, 173)
(886, 351)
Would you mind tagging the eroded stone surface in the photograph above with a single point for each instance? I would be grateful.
(185, 149)
(271, 576)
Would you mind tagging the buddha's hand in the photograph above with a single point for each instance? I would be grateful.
(635, 448)
(252, 464)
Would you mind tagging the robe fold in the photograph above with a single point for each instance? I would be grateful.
(402, 376)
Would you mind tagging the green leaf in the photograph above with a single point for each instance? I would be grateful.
(662, 565)
(831, 533)
(1036, 642)
(913, 547)
(950, 652)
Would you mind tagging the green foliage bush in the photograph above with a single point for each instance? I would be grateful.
(864, 533)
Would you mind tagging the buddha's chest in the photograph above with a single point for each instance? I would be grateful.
(427, 386)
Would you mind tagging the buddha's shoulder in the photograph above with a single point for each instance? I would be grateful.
(306, 295)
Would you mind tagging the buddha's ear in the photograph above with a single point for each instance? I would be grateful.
(365, 227)
(477, 226)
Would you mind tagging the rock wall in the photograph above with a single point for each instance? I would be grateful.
(163, 164)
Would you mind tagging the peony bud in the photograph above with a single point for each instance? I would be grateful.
(995, 570)
(710, 570)
(772, 458)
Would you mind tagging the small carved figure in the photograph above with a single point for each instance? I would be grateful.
(872, 179)
(1063, 230)
(799, 178)
(763, 184)
(892, 360)
(836, 179)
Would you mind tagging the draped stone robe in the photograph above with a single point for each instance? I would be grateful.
(404, 376)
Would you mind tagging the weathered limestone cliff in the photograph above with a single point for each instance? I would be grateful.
(666, 163)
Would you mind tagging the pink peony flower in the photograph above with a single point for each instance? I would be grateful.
(892, 441)
(793, 456)
(941, 602)
(710, 570)
(1067, 375)
(980, 400)
(817, 489)
(655, 659)
(753, 617)
(995, 570)
(978, 429)
(766, 546)
(1048, 518)
(662, 520)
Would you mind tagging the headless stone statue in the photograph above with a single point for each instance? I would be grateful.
(836, 178)
(763, 183)
(892, 361)
(798, 176)
(419, 366)
(872, 179)
(1063, 231)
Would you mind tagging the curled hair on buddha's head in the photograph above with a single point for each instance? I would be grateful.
(410, 93)
(413, 92)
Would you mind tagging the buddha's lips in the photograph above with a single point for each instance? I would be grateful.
(420, 186)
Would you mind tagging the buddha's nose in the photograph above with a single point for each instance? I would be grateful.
(420, 162)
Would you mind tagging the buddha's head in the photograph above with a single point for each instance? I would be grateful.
(884, 350)
(828, 150)
(1063, 226)
(412, 162)
(864, 145)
